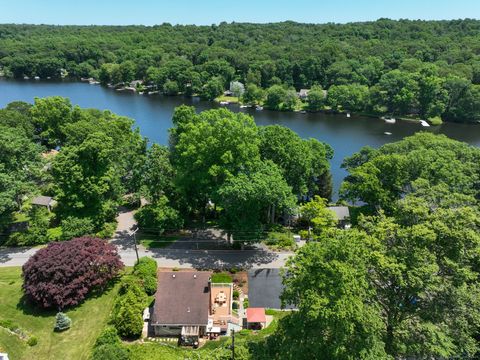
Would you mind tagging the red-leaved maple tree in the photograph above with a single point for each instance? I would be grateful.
(63, 273)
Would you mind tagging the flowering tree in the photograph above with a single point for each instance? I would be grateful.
(63, 273)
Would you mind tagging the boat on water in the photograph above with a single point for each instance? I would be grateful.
(258, 107)
(390, 120)
(424, 123)
(37, 77)
(244, 106)
(348, 115)
(303, 112)
(224, 103)
(387, 133)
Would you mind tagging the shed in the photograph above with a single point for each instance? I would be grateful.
(46, 201)
(256, 318)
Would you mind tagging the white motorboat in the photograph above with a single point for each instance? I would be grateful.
(424, 123)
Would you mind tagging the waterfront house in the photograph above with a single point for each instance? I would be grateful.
(303, 94)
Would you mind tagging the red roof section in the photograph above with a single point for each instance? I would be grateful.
(256, 315)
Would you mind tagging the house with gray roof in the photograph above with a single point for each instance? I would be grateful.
(182, 305)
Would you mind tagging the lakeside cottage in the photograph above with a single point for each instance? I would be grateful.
(303, 94)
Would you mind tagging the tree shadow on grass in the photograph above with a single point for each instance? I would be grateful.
(29, 307)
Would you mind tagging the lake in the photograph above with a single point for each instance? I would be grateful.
(153, 117)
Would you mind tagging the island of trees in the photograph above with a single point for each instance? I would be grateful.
(420, 69)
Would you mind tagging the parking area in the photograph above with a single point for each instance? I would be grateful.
(264, 288)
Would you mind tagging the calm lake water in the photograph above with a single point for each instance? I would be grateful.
(153, 116)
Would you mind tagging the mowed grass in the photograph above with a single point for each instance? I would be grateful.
(151, 241)
(88, 320)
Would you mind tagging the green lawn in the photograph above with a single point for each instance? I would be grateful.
(151, 241)
(230, 99)
(222, 278)
(88, 320)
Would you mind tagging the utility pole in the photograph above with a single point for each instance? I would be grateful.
(233, 344)
(135, 242)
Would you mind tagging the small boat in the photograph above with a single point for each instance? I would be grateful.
(303, 112)
(26, 78)
(244, 106)
(387, 133)
(224, 103)
(37, 77)
(259, 108)
(348, 115)
(140, 93)
(424, 123)
(390, 120)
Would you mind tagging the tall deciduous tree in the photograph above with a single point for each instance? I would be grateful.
(86, 179)
(253, 198)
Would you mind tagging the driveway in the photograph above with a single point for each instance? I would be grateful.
(265, 287)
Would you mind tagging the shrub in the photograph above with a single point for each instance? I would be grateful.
(127, 317)
(436, 120)
(236, 294)
(62, 322)
(110, 352)
(133, 284)
(235, 305)
(280, 240)
(63, 273)
(146, 271)
(32, 341)
(55, 234)
(109, 335)
(303, 234)
(37, 230)
(8, 324)
(73, 227)
(245, 303)
(107, 231)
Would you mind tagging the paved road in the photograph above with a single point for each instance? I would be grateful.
(182, 254)
(181, 258)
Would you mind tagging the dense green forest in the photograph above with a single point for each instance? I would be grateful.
(423, 69)
(220, 165)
